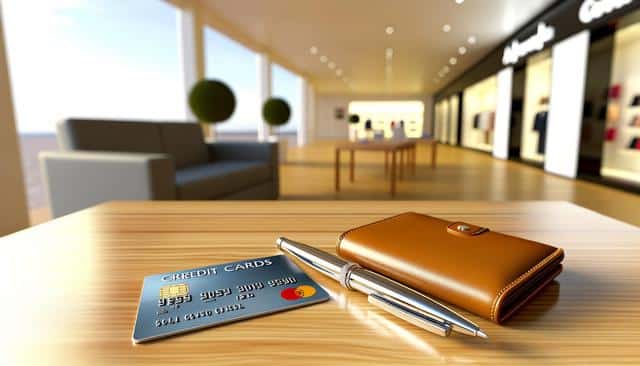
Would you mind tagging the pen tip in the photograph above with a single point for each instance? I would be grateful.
(480, 333)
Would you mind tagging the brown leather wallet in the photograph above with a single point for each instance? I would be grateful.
(485, 272)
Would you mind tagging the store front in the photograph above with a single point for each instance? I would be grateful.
(621, 137)
(563, 93)
(478, 114)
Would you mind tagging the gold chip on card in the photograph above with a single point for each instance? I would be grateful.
(180, 289)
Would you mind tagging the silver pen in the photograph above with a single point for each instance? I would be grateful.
(383, 292)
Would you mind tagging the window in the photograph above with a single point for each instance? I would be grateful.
(288, 86)
(235, 65)
(88, 58)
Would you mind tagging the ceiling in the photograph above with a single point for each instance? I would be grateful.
(352, 35)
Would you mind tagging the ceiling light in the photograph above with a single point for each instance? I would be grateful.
(339, 72)
(472, 40)
(313, 50)
(453, 60)
(446, 28)
(459, 2)
(445, 69)
(332, 65)
(389, 30)
(323, 59)
(388, 53)
(462, 50)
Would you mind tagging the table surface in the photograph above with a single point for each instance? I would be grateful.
(383, 145)
(70, 287)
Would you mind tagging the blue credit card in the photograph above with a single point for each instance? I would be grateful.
(179, 302)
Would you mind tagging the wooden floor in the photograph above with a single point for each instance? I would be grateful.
(461, 174)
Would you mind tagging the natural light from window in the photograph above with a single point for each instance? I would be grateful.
(92, 58)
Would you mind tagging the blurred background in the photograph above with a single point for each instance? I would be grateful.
(535, 100)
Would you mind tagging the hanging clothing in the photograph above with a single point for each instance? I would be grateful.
(540, 125)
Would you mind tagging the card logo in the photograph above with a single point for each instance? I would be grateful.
(296, 293)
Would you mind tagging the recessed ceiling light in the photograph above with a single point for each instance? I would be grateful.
(389, 30)
(459, 2)
(453, 60)
(323, 59)
(313, 50)
(339, 72)
(388, 53)
(445, 69)
(446, 28)
(462, 50)
(472, 40)
(332, 65)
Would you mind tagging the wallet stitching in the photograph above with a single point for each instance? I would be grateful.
(515, 282)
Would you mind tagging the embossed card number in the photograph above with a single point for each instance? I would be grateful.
(173, 303)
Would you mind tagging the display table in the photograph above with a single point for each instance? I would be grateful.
(70, 288)
(389, 147)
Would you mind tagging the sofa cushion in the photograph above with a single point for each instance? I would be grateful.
(220, 178)
(117, 136)
(185, 142)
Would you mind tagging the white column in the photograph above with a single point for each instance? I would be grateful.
(191, 48)
(503, 114)
(264, 90)
(564, 125)
(13, 209)
(304, 129)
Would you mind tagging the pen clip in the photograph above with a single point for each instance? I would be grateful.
(410, 315)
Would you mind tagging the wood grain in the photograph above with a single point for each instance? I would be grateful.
(71, 286)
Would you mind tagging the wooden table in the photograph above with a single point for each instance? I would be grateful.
(389, 147)
(70, 288)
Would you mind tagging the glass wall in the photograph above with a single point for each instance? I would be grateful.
(621, 150)
(478, 114)
(93, 58)
(536, 107)
(288, 86)
(236, 65)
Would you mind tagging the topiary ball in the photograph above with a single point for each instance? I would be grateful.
(276, 111)
(354, 118)
(212, 101)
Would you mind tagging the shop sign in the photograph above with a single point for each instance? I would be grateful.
(516, 50)
(591, 10)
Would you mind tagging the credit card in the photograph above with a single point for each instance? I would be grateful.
(179, 302)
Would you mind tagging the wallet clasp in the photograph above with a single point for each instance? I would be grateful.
(463, 229)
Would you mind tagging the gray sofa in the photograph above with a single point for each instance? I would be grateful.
(102, 160)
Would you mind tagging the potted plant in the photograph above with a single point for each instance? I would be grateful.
(276, 112)
(354, 119)
(211, 101)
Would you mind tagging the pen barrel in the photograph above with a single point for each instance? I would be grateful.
(370, 282)
(326, 263)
